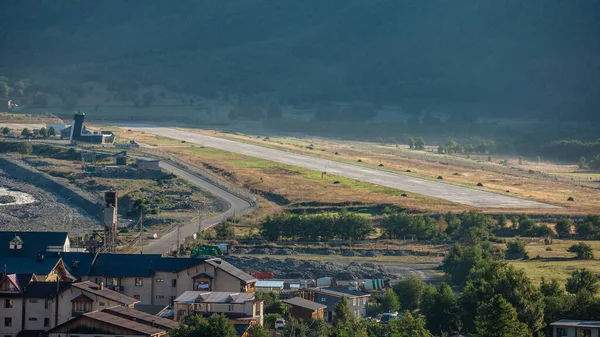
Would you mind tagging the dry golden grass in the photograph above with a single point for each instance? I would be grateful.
(456, 170)
(299, 185)
(553, 262)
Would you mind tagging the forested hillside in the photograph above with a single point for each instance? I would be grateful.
(535, 58)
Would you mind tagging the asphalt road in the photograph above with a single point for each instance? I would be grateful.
(463, 195)
(168, 241)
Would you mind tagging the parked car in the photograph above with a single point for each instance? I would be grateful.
(279, 324)
(388, 317)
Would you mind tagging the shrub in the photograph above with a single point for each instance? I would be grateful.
(582, 250)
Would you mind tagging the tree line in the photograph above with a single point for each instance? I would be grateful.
(469, 227)
(320, 227)
(495, 296)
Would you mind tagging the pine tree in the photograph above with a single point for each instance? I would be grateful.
(497, 318)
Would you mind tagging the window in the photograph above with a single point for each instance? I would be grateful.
(160, 296)
(46, 304)
(173, 283)
(46, 322)
(32, 301)
(33, 318)
(160, 280)
(322, 299)
(137, 297)
(230, 308)
(8, 303)
(7, 321)
(101, 304)
(83, 307)
(354, 301)
(585, 333)
(139, 282)
(98, 280)
(561, 332)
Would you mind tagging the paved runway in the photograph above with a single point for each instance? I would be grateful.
(441, 190)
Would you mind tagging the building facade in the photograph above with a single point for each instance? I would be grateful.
(330, 296)
(240, 307)
(575, 328)
(156, 280)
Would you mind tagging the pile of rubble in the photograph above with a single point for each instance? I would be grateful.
(45, 213)
(310, 269)
(342, 251)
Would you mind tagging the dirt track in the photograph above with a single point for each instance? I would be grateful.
(454, 193)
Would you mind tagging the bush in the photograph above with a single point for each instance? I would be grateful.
(582, 250)
(516, 250)
(270, 319)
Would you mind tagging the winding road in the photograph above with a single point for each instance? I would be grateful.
(463, 195)
(168, 241)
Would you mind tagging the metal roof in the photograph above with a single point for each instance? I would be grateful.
(106, 293)
(269, 284)
(577, 323)
(231, 269)
(142, 317)
(300, 302)
(339, 292)
(33, 243)
(190, 297)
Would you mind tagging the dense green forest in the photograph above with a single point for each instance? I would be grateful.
(526, 59)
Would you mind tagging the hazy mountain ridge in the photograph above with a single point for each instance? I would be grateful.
(539, 57)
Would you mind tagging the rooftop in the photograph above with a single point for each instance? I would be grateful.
(123, 322)
(577, 323)
(33, 243)
(231, 269)
(190, 297)
(338, 292)
(106, 293)
(300, 302)
(46, 290)
(269, 284)
(142, 317)
(153, 309)
(125, 265)
(29, 265)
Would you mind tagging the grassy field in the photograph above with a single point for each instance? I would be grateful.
(557, 263)
(513, 178)
(300, 185)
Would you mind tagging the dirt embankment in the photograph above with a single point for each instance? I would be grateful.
(21, 171)
(330, 251)
(309, 269)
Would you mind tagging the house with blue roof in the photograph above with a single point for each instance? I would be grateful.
(30, 244)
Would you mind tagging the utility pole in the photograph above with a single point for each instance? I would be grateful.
(234, 223)
(141, 231)
(178, 239)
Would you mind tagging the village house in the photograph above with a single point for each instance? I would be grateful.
(330, 296)
(156, 280)
(575, 328)
(304, 309)
(239, 307)
(31, 306)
